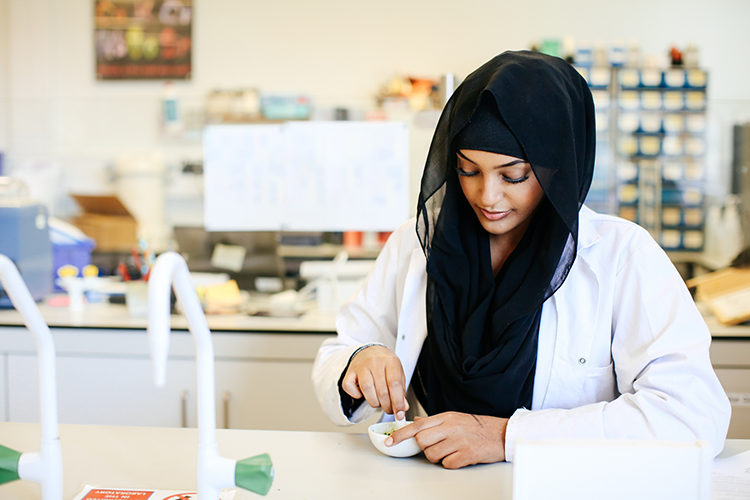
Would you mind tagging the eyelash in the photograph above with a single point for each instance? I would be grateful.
(507, 179)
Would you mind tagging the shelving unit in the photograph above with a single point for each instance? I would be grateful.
(651, 146)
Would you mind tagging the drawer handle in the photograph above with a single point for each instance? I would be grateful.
(183, 408)
(226, 396)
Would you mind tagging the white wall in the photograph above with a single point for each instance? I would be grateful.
(338, 51)
(3, 75)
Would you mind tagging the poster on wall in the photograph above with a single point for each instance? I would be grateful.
(143, 39)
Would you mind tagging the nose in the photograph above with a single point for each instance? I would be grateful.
(492, 191)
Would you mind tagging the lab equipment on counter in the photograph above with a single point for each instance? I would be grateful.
(214, 471)
(76, 285)
(334, 281)
(380, 431)
(44, 467)
(136, 298)
(70, 246)
(25, 238)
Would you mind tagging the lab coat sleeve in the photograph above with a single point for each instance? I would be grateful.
(371, 315)
(660, 350)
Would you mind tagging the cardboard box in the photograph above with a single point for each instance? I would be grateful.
(107, 221)
(726, 293)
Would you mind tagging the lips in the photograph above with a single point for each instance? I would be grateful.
(494, 216)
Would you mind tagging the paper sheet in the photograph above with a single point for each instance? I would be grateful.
(230, 257)
(731, 477)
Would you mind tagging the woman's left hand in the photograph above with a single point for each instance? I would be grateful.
(457, 439)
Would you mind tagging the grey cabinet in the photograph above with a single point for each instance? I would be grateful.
(104, 377)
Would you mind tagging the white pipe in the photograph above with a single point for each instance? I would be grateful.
(170, 271)
(44, 467)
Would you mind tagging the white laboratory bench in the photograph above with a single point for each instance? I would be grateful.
(309, 465)
(263, 368)
(104, 371)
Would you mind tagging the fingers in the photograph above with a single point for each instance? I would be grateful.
(456, 439)
(350, 385)
(362, 384)
(368, 385)
(377, 375)
(412, 430)
(394, 375)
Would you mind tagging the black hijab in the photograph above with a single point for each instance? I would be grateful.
(481, 346)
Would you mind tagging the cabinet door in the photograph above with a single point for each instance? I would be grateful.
(274, 395)
(736, 383)
(106, 391)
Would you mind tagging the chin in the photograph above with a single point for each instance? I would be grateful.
(495, 228)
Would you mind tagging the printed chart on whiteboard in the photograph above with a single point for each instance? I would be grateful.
(306, 176)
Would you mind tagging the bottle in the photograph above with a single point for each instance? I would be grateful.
(676, 56)
(691, 57)
(617, 54)
(633, 58)
(569, 49)
(584, 56)
(600, 54)
(171, 119)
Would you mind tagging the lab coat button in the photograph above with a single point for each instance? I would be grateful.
(403, 337)
(582, 361)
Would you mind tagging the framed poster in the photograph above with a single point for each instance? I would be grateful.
(143, 39)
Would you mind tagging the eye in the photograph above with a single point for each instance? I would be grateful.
(515, 181)
(464, 173)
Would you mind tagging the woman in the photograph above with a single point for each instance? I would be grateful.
(513, 310)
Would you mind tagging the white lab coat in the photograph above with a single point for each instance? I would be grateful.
(623, 351)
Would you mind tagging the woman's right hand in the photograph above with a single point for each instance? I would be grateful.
(376, 374)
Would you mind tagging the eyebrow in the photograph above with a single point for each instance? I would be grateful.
(509, 164)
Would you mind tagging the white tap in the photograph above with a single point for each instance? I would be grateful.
(214, 471)
(44, 467)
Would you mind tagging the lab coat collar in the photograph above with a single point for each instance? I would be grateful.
(587, 234)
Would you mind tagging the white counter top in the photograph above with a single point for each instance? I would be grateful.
(309, 465)
(113, 316)
(719, 330)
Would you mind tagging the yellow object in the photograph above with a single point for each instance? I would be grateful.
(90, 271)
(222, 298)
(726, 292)
(67, 271)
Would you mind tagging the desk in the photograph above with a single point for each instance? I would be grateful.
(309, 465)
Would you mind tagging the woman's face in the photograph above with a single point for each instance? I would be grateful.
(502, 190)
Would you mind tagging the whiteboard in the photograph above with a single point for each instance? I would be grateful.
(306, 176)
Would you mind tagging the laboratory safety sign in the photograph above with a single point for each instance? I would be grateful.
(94, 493)
(143, 40)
